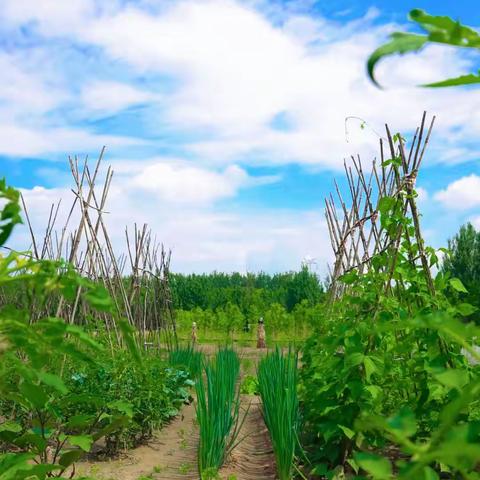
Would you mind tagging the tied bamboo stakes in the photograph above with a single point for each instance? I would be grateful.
(218, 407)
(137, 280)
(277, 383)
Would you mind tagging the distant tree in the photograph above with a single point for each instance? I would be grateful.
(438, 30)
(463, 262)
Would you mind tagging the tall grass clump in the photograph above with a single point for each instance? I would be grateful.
(186, 357)
(218, 404)
(277, 384)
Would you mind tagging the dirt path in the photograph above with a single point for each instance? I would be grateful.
(171, 454)
(253, 458)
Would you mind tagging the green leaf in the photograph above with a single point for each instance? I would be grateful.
(443, 29)
(122, 406)
(386, 204)
(354, 359)
(34, 394)
(370, 367)
(457, 285)
(82, 441)
(52, 381)
(469, 79)
(379, 467)
(99, 298)
(70, 457)
(347, 431)
(400, 43)
(453, 378)
(9, 426)
(128, 333)
(466, 309)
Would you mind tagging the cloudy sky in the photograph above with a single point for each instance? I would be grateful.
(225, 120)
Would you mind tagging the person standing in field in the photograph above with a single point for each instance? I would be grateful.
(194, 333)
(261, 334)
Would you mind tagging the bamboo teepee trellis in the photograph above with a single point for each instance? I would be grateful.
(137, 280)
(353, 216)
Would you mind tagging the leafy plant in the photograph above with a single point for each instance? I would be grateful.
(277, 384)
(61, 390)
(440, 30)
(249, 385)
(387, 356)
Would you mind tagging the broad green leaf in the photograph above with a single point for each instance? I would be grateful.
(404, 423)
(34, 394)
(347, 431)
(99, 298)
(457, 285)
(370, 367)
(466, 309)
(70, 457)
(52, 381)
(82, 441)
(354, 359)
(128, 333)
(122, 406)
(400, 43)
(379, 467)
(386, 204)
(9, 426)
(453, 378)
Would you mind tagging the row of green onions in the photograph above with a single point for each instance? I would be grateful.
(186, 357)
(218, 404)
(277, 382)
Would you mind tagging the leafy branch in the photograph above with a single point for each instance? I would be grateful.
(439, 30)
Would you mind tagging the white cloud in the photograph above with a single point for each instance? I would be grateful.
(236, 71)
(109, 97)
(462, 194)
(202, 238)
(180, 183)
(422, 194)
(18, 140)
(49, 16)
(475, 221)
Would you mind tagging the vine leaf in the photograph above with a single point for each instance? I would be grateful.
(438, 29)
(400, 43)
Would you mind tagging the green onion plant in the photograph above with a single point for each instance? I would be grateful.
(277, 384)
(218, 404)
(186, 357)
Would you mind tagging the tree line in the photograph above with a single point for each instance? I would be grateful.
(231, 301)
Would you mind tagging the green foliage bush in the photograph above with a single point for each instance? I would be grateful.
(386, 391)
(61, 390)
(152, 392)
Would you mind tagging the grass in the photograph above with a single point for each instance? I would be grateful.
(218, 405)
(277, 384)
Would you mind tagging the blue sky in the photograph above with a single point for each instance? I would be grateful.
(225, 120)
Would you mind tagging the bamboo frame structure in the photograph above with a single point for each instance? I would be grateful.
(353, 218)
(137, 280)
